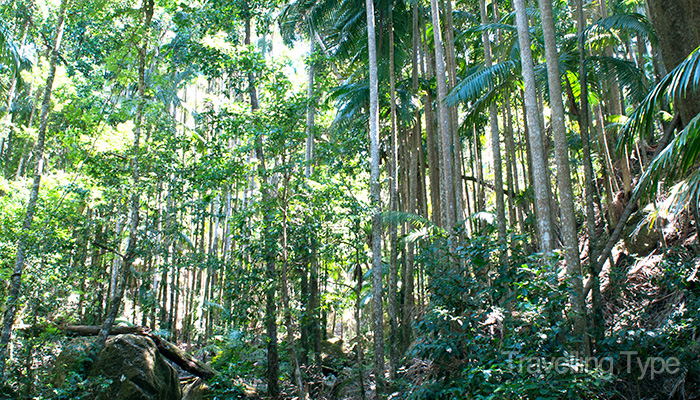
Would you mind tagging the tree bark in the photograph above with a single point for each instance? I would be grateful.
(273, 389)
(393, 206)
(415, 148)
(584, 123)
(375, 195)
(285, 300)
(448, 210)
(566, 193)
(495, 146)
(430, 134)
(540, 170)
(310, 111)
(455, 140)
(679, 34)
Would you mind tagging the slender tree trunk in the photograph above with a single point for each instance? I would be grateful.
(446, 166)
(495, 147)
(455, 140)
(314, 304)
(130, 254)
(23, 241)
(393, 206)
(285, 300)
(358, 324)
(310, 112)
(273, 389)
(539, 162)
(591, 222)
(415, 148)
(566, 194)
(375, 195)
(479, 167)
(511, 166)
(430, 134)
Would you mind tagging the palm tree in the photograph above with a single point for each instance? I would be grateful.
(566, 194)
(495, 143)
(447, 194)
(375, 193)
(539, 163)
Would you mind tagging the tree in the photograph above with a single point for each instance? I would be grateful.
(566, 194)
(495, 141)
(678, 37)
(540, 171)
(134, 218)
(377, 296)
(23, 241)
(447, 194)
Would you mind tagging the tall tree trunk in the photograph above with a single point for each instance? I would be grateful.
(270, 267)
(393, 206)
(495, 146)
(566, 193)
(415, 148)
(430, 134)
(540, 169)
(310, 111)
(376, 203)
(23, 241)
(591, 222)
(358, 322)
(446, 166)
(455, 141)
(313, 298)
(130, 254)
(512, 167)
(285, 299)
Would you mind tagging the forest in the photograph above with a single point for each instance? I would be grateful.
(341, 199)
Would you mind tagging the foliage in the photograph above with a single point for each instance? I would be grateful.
(498, 333)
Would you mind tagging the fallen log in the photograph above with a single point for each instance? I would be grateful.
(89, 330)
(79, 330)
(183, 359)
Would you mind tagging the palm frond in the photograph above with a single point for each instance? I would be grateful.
(478, 107)
(674, 161)
(400, 217)
(624, 72)
(482, 80)
(10, 55)
(679, 197)
(633, 22)
(685, 77)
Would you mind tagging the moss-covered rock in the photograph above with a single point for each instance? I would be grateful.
(136, 369)
(72, 359)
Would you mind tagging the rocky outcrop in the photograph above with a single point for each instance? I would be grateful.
(136, 369)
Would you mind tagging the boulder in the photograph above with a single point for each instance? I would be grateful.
(136, 369)
(640, 238)
(71, 359)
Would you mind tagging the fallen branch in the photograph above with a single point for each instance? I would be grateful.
(183, 359)
(486, 184)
